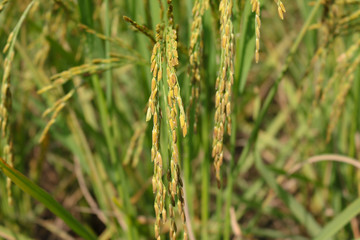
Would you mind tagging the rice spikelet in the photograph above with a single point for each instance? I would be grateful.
(280, 8)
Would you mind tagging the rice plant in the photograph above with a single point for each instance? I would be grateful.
(197, 119)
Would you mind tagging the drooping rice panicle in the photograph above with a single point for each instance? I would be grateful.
(174, 100)
(96, 66)
(117, 41)
(153, 111)
(224, 84)
(195, 53)
(55, 110)
(6, 98)
(140, 28)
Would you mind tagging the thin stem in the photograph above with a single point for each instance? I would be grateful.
(107, 56)
(205, 179)
(327, 157)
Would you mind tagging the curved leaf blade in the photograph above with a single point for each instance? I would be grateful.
(45, 198)
(340, 221)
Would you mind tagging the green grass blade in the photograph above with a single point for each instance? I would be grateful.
(9, 234)
(42, 196)
(304, 217)
(340, 221)
(245, 54)
(107, 55)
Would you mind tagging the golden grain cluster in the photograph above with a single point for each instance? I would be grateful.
(224, 84)
(165, 48)
(159, 188)
(335, 69)
(195, 53)
(5, 108)
(281, 9)
(174, 101)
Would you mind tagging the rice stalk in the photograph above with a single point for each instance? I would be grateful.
(140, 28)
(114, 40)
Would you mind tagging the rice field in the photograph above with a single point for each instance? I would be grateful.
(194, 119)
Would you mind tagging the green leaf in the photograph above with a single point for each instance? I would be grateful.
(300, 213)
(45, 198)
(7, 233)
(339, 221)
(245, 54)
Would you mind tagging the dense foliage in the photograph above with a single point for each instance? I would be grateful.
(195, 119)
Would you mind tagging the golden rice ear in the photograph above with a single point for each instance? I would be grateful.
(6, 97)
(166, 49)
(174, 102)
(224, 83)
(154, 112)
(195, 56)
